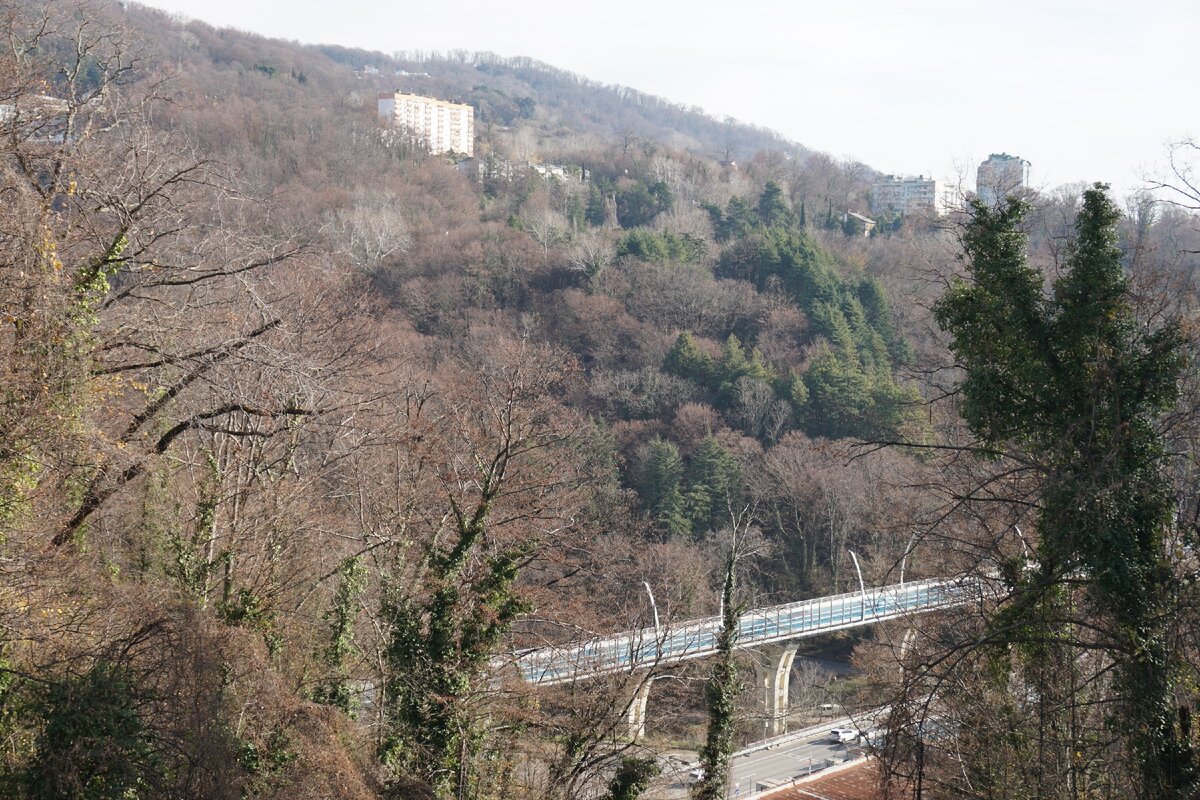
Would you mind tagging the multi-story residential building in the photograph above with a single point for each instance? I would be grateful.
(439, 125)
(909, 195)
(1000, 176)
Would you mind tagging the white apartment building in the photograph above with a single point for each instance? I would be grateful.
(904, 195)
(439, 125)
(1000, 176)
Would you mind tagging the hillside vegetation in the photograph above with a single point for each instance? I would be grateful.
(301, 427)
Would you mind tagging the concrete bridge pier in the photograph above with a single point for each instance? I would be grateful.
(910, 636)
(774, 666)
(635, 714)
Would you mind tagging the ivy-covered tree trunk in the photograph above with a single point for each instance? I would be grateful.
(720, 696)
(1074, 383)
(508, 470)
(632, 778)
(335, 689)
(438, 649)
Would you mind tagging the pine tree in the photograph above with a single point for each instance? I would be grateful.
(772, 208)
(736, 364)
(839, 395)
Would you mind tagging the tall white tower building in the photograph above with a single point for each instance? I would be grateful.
(1000, 176)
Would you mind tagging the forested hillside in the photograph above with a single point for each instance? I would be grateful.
(302, 428)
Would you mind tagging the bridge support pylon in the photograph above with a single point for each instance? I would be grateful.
(910, 636)
(775, 676)
(635, 715)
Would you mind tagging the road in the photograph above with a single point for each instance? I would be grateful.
(776, 761)
(811, 751)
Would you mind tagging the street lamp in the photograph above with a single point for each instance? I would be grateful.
(653, 605)
(907, 550)
(862, 586)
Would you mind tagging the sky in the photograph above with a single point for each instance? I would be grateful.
(1085, 90)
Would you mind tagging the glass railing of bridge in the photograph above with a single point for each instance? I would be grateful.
(699, 638)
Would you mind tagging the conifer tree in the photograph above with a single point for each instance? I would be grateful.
(714, 482)
(661, 488)
(1073, 382)
(687, 360)
(772, 208)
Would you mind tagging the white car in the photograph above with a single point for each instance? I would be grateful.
(843, 734)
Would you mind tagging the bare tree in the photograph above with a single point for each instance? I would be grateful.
(591, 253)
(371, 230)
(1179, 186)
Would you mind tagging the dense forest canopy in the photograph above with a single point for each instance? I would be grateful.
(302, 428)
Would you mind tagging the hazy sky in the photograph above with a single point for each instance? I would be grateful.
(1084, 89)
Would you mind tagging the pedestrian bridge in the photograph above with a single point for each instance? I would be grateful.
(773, 631)
(698, 638)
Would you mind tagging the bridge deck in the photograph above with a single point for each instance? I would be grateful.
(697, 638)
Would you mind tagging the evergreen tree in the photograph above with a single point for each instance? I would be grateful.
(596, 212)
(736, 222)
(645, 245)
(868, 343)
(853, 227)
(638, 204)
(773, 209)
(576, 214)
(839, 396)
(1075, 383)
(829, 321)
(851, 390)
(736, 364)
(687, 360)
(661, 488)
(795, 391)
(879, 315)
(714, 480)
(660, 247)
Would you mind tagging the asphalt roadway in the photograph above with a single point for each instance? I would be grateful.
(775, 762)
(793, 756)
